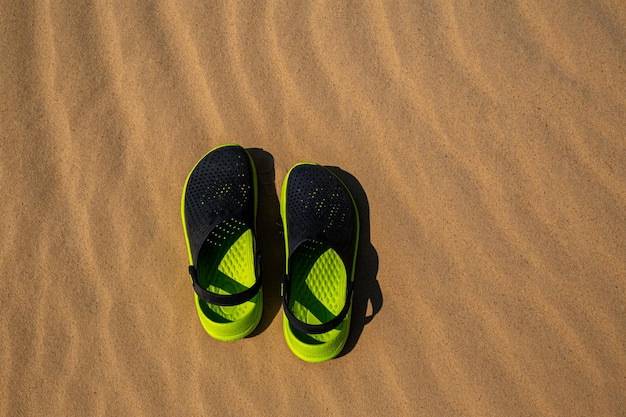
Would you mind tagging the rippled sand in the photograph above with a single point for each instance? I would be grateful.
(486, 147)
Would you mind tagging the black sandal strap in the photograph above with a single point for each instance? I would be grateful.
(315, 328)
(227, 299)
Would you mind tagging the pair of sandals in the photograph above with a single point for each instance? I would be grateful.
(321, 229)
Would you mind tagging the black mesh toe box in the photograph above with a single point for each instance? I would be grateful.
(220, 187)
(319, 207)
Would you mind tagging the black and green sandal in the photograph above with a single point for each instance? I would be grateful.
(321, 225)
(218, 209)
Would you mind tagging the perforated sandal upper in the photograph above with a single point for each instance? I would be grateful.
(220, 190)
(319, 208)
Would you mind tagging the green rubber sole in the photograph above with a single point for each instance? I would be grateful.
(226, 266)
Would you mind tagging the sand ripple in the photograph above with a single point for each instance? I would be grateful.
(488, 139)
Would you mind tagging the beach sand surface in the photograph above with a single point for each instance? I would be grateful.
(484, 143)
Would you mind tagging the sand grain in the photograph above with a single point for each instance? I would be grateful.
(486, 144)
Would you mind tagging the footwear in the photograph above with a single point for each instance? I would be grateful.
(218, 209)
(321, 227)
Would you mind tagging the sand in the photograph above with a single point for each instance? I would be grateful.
(484, 142)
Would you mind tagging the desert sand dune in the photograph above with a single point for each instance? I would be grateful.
(484, 143)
